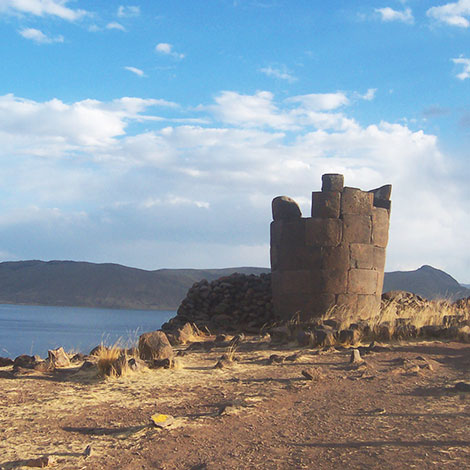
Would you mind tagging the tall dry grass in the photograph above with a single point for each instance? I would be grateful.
(395, 314)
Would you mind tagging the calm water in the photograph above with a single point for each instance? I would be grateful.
(35, 329)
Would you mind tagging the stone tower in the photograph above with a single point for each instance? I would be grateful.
(336, 257)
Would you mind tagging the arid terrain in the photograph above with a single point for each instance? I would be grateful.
(398, 409)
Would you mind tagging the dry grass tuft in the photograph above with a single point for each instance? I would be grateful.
(112, 361)
(394, 314)
(230, 353)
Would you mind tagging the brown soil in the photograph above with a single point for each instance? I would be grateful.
(399, 410)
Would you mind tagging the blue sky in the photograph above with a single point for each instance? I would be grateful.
(155, 134)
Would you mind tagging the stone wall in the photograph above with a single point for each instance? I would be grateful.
(336, 257)
(238, 302)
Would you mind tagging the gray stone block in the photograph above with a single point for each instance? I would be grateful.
(379, 258)
(276, 230)
(381, 195)
(355, 201)
(326, 204)
(362, 281)
(362, 255)
(296, 282)
(334, 281)
(357, 228)
(332, 182)
(380, 223)
(335, 257)
(285, 208)
(323, 232)
(293, 232)
(291, 257)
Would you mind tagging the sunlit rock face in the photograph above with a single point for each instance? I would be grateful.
(334, 259)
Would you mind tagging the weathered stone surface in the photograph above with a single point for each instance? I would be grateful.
(293, 232)
(323, 232)
(326, 204)
(362, 255)
(380, 282)
(276, 230)
(292, 257)
(5, 361)
(306, 305)
(357, 228)
(274, 257)
(379, 258)
(382, 196)
(335, 258)
(25, 361)
(355, 201)
(380, 223)
(332, 182)
(247, 301)
(285, 208)
(155, 345)
(334, 281)
(347, 302)
(58, 357)
(299, 281)
(362, 281)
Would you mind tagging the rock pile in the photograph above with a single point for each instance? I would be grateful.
(233, 303)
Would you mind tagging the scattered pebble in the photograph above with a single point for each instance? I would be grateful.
(162, 421)
(355, 357)
(462, 387)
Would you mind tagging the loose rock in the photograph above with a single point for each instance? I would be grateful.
(155, 346)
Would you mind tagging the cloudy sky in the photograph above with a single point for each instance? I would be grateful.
(156, 134)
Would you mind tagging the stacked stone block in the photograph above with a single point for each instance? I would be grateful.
(336, 257)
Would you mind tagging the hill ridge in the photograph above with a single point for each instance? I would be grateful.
(111, 285)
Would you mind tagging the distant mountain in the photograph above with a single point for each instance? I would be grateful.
(101, 285)
(426, 281)
(83, 284)
(467, 286)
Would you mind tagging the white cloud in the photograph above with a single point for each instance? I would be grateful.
(453, 14)
(210, 186)
(115, 25)
(389, 14)
(128, 11)
(54, 127)
(321, 101)
(167, 49)
(278, 73)
(42, 8)
(39, 37)
(369, 95)
(135, 70)
(466, 67)
(173, 200)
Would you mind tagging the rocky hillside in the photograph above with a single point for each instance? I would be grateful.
(426, 281)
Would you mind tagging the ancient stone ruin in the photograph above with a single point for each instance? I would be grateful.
(334, 259)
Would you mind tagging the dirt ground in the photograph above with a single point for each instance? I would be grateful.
(398, 410)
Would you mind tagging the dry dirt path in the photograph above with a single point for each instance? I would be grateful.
(397, 411)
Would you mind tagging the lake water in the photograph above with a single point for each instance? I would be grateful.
(26, 329)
